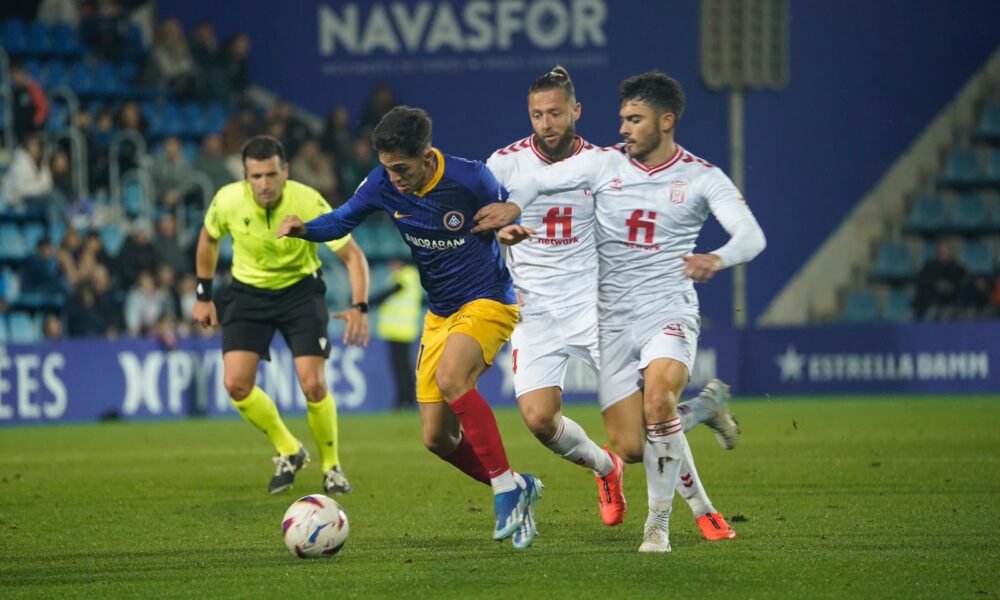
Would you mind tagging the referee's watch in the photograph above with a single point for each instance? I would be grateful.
(361, 306)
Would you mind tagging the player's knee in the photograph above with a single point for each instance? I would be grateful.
(629, 448)
(238, 389)
(314, 388)
(541, 423)
(453, 385)
(439, 442)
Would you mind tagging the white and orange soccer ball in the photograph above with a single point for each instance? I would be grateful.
(315, 526)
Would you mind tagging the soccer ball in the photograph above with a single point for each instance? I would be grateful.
(315, 526)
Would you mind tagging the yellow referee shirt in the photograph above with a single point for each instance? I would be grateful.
(259, 259)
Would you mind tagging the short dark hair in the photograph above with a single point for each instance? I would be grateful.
(657, 90)
(403, 130)
(557, 78)
(263, 147)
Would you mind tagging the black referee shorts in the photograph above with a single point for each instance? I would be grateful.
(251, 314)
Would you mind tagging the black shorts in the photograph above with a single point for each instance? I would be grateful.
(251, 314)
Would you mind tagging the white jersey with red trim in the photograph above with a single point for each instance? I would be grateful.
(647, 219)
(558, 266)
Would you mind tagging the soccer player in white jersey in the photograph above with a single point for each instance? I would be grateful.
(555, 275)
(651, 198)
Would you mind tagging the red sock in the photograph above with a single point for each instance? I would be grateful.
(465, 460)
(480, 427)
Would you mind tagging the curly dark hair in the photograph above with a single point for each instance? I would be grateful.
(403, 130)
(657, 90)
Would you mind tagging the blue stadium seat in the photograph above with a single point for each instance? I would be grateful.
(970, 215)
(4, 335)
(928, 216)
(127, 72)
(989, 123)
(21, 328)
(977, 257)
(81, 78)
(12, 246)
(64, 41)
(14, 35)
(993, 167)
(38, 39)
(56, 75)
(899, 305)
(32, 232)
(56, 232)
(106, 80)
(59, 117)
(216, 117)
(962, 168)
(132, 198)
(112, 238)
(894, 262)
(33, 67)
(862, 306)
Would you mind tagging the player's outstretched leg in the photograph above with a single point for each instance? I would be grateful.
(711, 407)
(285, 468)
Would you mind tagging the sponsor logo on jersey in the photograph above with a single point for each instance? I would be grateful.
(429, 244)
(556, 241)
(616, 184)
(453, 220)
(677, 191)
(398, 215)
(674, 329)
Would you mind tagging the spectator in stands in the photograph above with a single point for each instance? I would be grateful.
(28, 182)
(382, 100)
(108, 301)
(145, 305)
(938, 284)
(974, 297)
(130, 118)
(30, 105)
(106, 29)
(137, 254)
(243, 125)
(171, 66)
(357, 166)
(315, 169)
(211, 160)
(166, 282)
(235, 59)
(62, 176)
(41, 273)
(68, 254)
(52, 327)
(213, 84)
(99, 139)
(84, 317)
(171, 174)
(337, 139)
(187, 294)
(92, 254)
(296, 132)
(59, 12)
(167, 247)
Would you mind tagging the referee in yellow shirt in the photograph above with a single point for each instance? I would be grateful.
(277, 285)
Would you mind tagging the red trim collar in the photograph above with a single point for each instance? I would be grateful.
(662, 166)
(541, 155)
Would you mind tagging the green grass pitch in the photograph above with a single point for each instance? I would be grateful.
(832, 498)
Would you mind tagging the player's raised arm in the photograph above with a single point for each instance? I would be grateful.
(338, 223)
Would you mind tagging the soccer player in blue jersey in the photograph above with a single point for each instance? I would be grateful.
(432, 198)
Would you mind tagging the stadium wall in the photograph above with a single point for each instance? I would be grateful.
(141, 379)
(865, 79)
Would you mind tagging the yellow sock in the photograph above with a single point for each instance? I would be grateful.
(322, 418)
(259, 410)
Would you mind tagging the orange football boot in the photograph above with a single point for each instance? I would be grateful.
(611, 498)
(714, 527)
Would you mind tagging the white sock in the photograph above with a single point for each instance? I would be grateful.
(690, 488)
(662, 459)
(504, 482)
(694, 412)
(571, 442)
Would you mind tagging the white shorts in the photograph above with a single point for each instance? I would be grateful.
(543, 342)
(627, 349)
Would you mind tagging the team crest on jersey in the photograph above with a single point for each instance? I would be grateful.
(677, 191)
(674, 329)
(453, 220)
(616, 184)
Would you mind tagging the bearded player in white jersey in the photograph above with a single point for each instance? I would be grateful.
(651, 198)
(555, 275)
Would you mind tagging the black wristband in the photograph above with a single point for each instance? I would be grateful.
(203, 292)
(361, 306)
